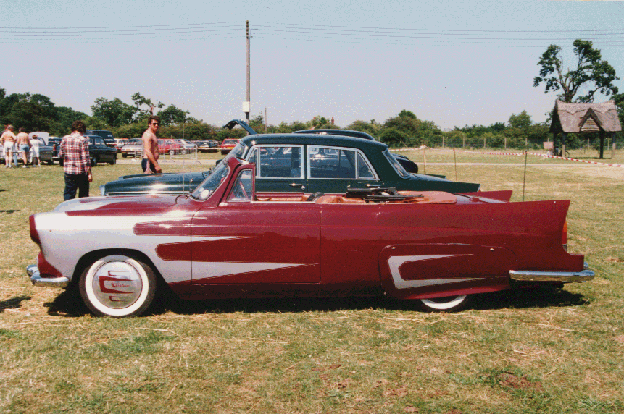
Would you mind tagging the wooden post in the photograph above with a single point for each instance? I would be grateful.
(602, 139)
(464, 142)
(442, 141)
(505, 142)
(563, 144)
(483, 143)
(554, 142)
(613, 147)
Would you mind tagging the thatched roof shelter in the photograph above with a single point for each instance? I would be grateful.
(585, 117)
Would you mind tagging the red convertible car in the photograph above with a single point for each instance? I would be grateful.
(223, 240)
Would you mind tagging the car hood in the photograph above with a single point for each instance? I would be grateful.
(155, 183)
(115, 205)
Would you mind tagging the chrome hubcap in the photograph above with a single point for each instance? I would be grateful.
(117, 285)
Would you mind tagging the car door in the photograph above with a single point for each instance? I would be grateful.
(279, 168)
(335, 169)
(267, 244)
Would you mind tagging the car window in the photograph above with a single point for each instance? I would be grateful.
(395, 164)
(337, 163)
(212, 182)
(238, 151)
(242, 189)
(364, 168)
(279, 161)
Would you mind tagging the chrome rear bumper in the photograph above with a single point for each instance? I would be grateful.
(550, 276)
(37, 280)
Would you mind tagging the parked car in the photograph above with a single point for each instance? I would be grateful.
(409, 165)
(225, 240)
(133, 148)
(228, 145)
(186, 146)
(98, 151)
(303, 163)
(49, 153)
(167, 146)
(120, 142)
(107, 136)
(208, 146)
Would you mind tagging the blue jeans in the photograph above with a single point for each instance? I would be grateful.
(75, 182)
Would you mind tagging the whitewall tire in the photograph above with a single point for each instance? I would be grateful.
(445, 304)
(118, 286)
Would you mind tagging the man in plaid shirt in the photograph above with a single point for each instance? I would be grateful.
(76, 162)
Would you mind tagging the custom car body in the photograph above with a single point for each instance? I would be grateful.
(303, 163)
(225, 240)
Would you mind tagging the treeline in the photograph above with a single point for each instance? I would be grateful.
(36, 112)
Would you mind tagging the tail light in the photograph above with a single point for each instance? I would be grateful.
(34, 235)
(564, 236)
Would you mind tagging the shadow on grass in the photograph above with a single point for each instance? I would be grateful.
(69, 303)
(13, 303)
(8, 211)
(529, 297)
(536, 297)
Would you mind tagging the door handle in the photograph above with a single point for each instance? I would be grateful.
(297, 185)
(372, 185)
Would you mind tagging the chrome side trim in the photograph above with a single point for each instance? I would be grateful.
(549, 276)
(37, 280)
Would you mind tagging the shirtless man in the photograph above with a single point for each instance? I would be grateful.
(23, 145)
(8, 139)
(150, 147)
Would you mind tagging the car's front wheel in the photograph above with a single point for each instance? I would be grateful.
(445, 304)
(118, 286)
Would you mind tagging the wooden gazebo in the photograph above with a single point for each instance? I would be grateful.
(585, 117)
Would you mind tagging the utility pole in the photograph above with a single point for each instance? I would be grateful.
(247, 103)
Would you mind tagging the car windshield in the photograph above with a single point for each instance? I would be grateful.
(237, 152)
(212, 182)
(395, 164)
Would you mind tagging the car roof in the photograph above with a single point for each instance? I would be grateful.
(315, 139)
(345, 132)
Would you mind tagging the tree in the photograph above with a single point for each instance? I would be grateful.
(591, 72)
(115, 112)
(393, 137)
(172, 115)
(140, 101)
(522, 120)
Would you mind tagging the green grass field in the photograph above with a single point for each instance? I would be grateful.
(513, 352)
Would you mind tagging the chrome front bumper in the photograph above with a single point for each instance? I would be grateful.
(37, 280)
(548, 276)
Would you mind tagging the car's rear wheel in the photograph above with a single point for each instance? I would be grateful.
(445, 304)
(94, 161)
(118, 286)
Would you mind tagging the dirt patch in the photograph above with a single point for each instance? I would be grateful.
(509, 380)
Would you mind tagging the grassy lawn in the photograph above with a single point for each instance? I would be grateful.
(513, 352)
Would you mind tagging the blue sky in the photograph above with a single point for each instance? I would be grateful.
(453, 63)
